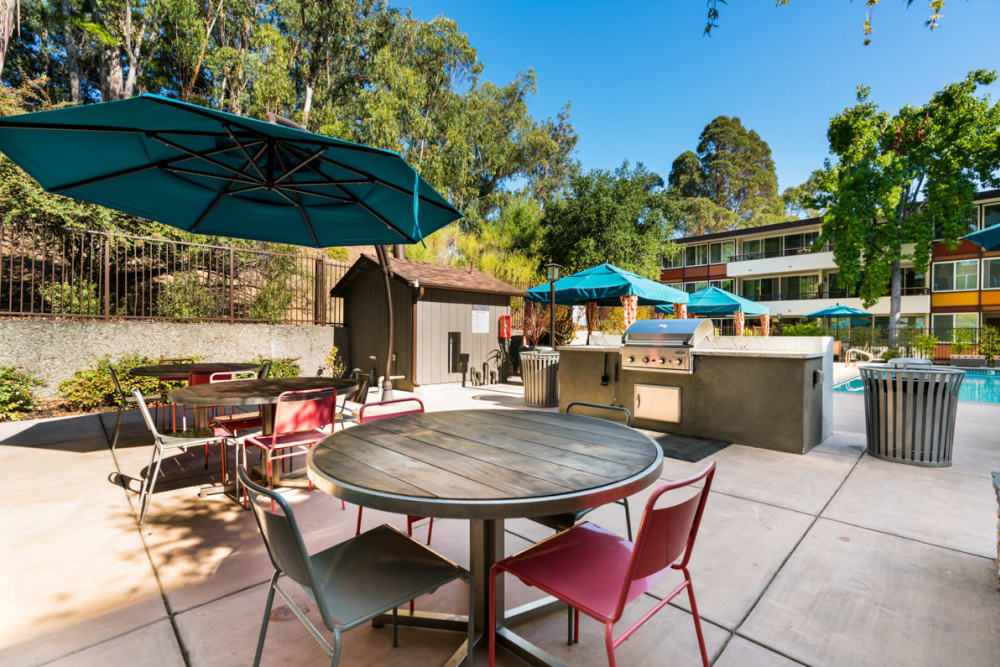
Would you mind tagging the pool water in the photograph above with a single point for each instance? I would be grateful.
(981, 385)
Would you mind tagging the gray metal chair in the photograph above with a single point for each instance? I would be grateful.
(161, 443)
(124, 402)
(566, 520)
(351, 582)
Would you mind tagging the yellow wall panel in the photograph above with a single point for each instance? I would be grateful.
(954, 299)
(991, 297)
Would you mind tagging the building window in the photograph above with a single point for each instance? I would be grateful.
(695, 255)
(753, 249)
(726, 283)
(772, 247)
(991, 273)
(720, 253)
(962, 275)
(799, 287)
(679, 286)
(761, 289)
(695, 286)
(675, 261)
(913, 282)
(991, 215)
(798, 243)
(944, 325)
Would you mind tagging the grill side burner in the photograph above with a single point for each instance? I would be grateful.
(663, 345)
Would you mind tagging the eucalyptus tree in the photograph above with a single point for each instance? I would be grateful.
(905, 178)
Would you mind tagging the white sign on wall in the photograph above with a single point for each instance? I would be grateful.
(480, 319)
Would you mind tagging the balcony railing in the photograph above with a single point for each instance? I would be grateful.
(787, 252)
(822, 293)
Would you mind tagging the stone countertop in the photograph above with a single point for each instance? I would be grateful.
(589, 348)
(777, 354)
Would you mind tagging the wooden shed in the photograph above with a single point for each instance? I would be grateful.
(446, 319)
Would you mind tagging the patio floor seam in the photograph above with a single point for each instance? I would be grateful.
(791, 552)
(101, 641)
(769, 648)
(149, 556)
(906, 537)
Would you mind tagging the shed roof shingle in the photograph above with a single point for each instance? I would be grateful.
(439, 276)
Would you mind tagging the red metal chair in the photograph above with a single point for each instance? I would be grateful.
(299, 417)
(227, 427)
(597, 572)
(362, 419)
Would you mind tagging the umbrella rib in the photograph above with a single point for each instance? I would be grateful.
(245, 153)
(315, 194)
(225, 191)
(183, 149)
(221, 177)
(115, 129)
(305, 216)
(134, 170)
(302, 163)
(391, 186)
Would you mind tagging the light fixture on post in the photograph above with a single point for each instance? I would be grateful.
(552, 273)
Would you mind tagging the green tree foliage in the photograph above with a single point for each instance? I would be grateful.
(804, 328)
(934, 7)
(926, 345)
(728, 182)
(184, 297)
(902, 178)
(354, 69)
(619, 216)
(16, 397)
(989, 343)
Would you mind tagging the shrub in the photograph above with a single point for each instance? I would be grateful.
(926, 345)
(15, 392)
(334, 362)
(184, 297)
(964, 340)
(273, 297)
(78, 299)
(989, 343)
(93, 387)
(282, 367)
(806, 328)
(890, 354)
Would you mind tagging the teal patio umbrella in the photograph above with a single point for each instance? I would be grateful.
(853, 316)
(212, 172)
(987, 239)
(604, 285)
(715, 301)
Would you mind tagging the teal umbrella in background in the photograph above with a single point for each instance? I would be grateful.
(987, 239)
(852, 316)
(210, 172)
(715, 301)
(604, 285)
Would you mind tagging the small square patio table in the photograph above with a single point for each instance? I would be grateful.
(485, 466)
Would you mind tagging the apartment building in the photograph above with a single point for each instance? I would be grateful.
(777, 266)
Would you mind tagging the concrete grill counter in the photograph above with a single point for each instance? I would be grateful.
(769, 392)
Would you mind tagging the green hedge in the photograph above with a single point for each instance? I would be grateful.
(93, 387)
(16, 397)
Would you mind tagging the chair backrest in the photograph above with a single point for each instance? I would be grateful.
(118, 387)
(264, 371)
(364, 383)
(304, 410)
(204, 375)
(666, 534)
(231, 376)
(362, 418)
(148, 418)
(281, 535)
(601, 406)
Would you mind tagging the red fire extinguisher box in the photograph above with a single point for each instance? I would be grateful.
(503, 326)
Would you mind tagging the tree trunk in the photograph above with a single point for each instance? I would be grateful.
(72, 60)
(8, 21)
(307, 105)
(112, 85)
(895, 302)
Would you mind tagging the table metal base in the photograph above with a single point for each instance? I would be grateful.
(486, 537)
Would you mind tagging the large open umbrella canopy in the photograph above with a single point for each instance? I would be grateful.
(212, 172)
(988, 239)
(715, 301)
(604, 285)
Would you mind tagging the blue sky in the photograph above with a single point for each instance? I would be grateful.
(643, 81)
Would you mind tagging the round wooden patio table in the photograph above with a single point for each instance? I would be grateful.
(485, 466)
(183, 370)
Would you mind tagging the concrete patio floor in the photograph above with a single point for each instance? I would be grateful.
(832, 558)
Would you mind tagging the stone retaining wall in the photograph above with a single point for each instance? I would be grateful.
(54, 349)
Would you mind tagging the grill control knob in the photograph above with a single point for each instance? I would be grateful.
(677, 361)
(660, 360)
(631, 360)
(645, 360)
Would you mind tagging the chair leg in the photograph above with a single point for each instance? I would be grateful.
(472, 622)
(357, 531)
(569, 625)
(430, 527)
(395, 627)
(697, 619)
(118, 427)
(628, 518)
(609, 643)
(267, 617)
(149, 483)
(576, 626)
(335, 660)
(492, 626)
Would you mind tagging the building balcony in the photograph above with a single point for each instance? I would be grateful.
(790, 261)
(912, 304)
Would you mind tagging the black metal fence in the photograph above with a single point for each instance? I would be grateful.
(101, 275)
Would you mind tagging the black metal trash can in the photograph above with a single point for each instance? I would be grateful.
(540, 374)
(910, 412)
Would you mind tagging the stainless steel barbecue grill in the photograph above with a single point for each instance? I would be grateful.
(663, 345)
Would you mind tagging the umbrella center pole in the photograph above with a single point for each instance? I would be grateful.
(383, 260)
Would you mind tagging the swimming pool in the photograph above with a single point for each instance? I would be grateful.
(980, 384)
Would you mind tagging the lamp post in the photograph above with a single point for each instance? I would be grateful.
(552, 273)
